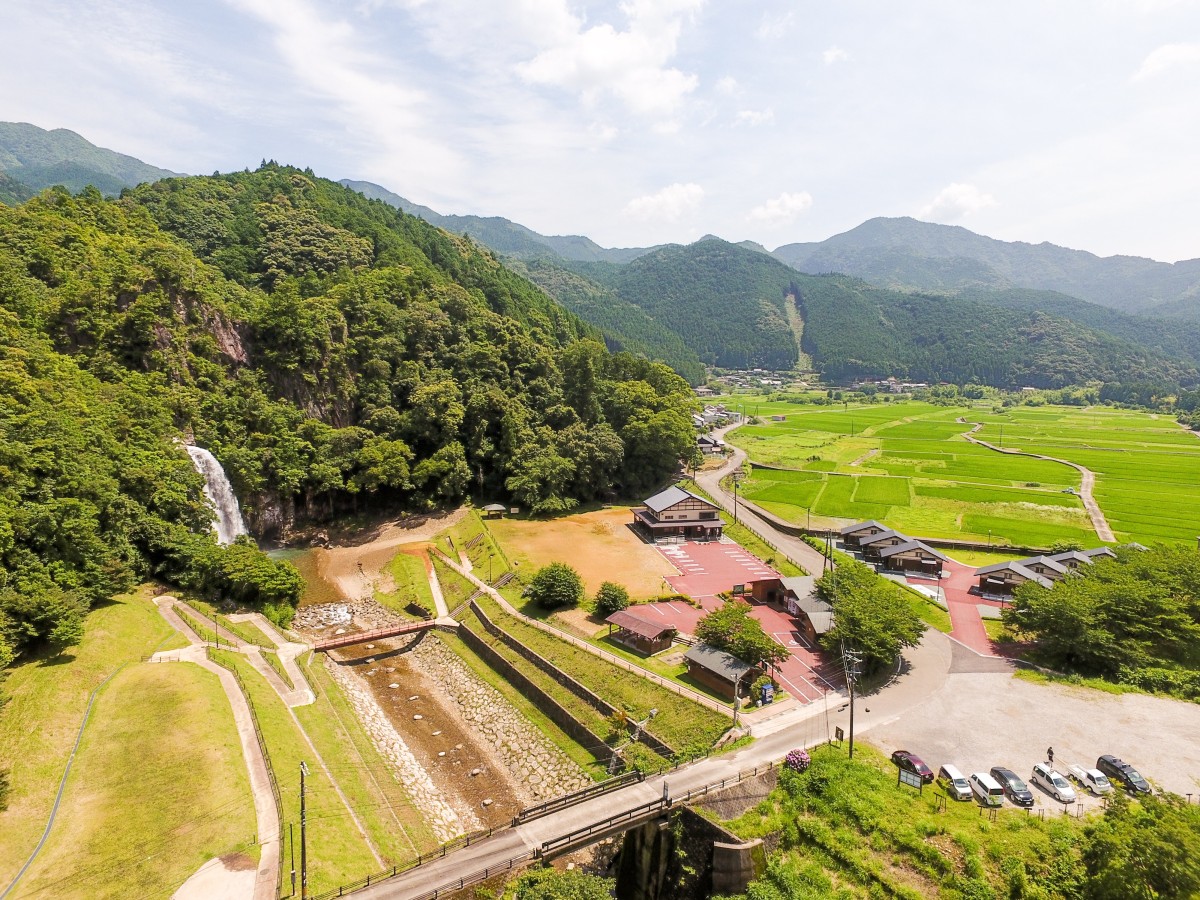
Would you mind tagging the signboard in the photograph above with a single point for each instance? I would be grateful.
(912, 779)
(739, 589)
(768, 693)
(838, 734)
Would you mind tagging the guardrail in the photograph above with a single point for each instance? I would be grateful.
(362, 637)
(474, 878)
(529, 813)
(653, 808)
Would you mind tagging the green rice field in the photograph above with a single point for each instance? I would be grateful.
(907, 464)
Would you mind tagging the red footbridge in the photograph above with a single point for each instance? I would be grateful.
(365, 637)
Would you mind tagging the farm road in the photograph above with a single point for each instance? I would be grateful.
(790, 546)
(1087, 480)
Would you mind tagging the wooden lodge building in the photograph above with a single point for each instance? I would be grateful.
(1001, 579)
(676, 514)
(719, 670)
(638, 634)
(814, 616)
(891, 549)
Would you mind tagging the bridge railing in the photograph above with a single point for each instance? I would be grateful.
(565, 840)
(360, 637)
(529, 813)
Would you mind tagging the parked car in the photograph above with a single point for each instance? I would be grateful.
(910, 762)
(954, 782)
(1123, 773)
(1091, 779)
(1014, 788)
(986, 790)
(1053, 783)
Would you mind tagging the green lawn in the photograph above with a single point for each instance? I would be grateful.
(411, 584)
(47, 699)
(140, 829)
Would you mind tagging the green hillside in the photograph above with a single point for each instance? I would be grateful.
(336, 355)
(38, 159)
(854, 331)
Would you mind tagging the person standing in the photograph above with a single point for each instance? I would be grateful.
(1050, 756)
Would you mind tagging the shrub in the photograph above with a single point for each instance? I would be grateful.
(797, 760)
(555, 585)
(611, 598)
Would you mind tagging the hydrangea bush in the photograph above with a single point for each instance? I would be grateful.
(797, 760)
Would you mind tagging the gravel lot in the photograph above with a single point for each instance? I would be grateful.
(982, 719)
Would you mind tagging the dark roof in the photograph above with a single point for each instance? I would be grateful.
(672, 495)
(861, 526)
(800, 585)
(1027, 574)
(1105, 551)
(1044, 561)
(908, 546)
(718, 662)
(882, 536)
(629, 621)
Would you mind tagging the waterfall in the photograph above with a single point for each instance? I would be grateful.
(227, 515)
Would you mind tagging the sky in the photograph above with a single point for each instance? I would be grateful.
(652, 121)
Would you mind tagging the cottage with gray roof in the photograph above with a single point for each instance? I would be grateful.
(913, 556)
(676, 514)
(719, 670)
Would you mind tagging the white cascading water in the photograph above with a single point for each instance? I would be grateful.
(227, 515)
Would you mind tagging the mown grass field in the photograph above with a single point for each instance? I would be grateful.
(47, 698)
(907, 464)
(140, 829)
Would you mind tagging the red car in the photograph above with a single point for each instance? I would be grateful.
(910, 762)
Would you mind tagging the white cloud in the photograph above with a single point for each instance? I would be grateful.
(956, 201)
(668, 205)
(782, 210)
(727, 86)
(834, 54)
(1167, 57)
(754, 117)
(772, 28)
(632, 65)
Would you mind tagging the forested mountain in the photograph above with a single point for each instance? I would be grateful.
(727, 303)
(12, 191)
(854, 330)
(502, 235)
(906, 254)
(334, 354)
(37, 159)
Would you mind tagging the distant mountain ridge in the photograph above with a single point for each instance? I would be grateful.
(36, 158)
(906, 254)
(503, 235)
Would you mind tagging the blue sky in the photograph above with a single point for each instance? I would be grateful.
(647, 121)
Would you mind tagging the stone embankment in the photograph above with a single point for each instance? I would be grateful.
(364, 615)
(539, 769)
(444, 821)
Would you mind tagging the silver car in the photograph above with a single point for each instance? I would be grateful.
(1053, 783)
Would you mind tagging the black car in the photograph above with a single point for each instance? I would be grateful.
(1014, 788)
(1123, 773)
(910, 762)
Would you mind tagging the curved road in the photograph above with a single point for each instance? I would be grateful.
(803, 555)
(1088, 480)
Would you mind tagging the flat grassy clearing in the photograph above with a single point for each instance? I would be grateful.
(396, 826)
(850, 831)
(337, 853)
(142, 829)
(47, 699)
(410, 581)
(599, 544)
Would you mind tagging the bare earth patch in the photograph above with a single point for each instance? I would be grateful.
(230, 876)
(600, 545)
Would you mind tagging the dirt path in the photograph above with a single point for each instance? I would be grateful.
(357, 569)
(1087, 480)
(862, 459)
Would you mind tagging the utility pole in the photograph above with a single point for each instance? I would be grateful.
(304, 833)
(852, 660)
(292, 845)
(737, 477)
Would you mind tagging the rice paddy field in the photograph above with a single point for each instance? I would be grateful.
(908, 464)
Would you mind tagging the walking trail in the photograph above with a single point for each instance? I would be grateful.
(213, 880)
(1088, 479)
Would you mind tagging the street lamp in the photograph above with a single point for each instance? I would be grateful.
(852, 660)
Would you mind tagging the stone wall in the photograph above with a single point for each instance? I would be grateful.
(583, 693)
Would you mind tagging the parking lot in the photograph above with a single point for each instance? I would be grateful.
(977, 720)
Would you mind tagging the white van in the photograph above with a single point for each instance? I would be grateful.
(986, 790)
(955, 782)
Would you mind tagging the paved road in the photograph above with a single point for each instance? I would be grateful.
(790, 546)
(925, 669)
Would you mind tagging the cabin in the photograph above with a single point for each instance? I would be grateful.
(676, 514)
(628, 629)
(719, 670)
(710, 445)
(872, 547)
(913, 556)
(1004, 578)
(853, 534)
(1001, 579)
